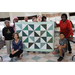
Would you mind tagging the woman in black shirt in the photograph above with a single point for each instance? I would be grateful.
(8, 33)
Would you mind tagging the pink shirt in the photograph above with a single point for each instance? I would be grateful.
(12, 26)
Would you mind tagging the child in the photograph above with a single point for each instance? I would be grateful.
(62, 48)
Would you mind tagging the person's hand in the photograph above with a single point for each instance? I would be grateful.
(70, 37)
(55, 23)
(56, 45)
(14, 52)
(3, 38)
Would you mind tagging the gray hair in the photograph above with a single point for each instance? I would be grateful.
(34, 18)
(6, 21)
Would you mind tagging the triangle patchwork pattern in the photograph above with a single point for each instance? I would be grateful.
(44, 38)
(23, 26)
(26, 40)
(50, 28)
(42, 32)
(42, 28)
(48, 34)
(38, 40)
(18, 28)
(38, 28)
(18, 31)
(30, 32)
(32, 38)
(36, 35)
(36, 47)
(51, 40)
(20, 34)
(44, 25)
(48, 47)
(42, 44)
(32, 26)
(30, 44)
(23, 33)
(26, 28)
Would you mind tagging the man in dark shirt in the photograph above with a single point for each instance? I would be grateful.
(8, 33)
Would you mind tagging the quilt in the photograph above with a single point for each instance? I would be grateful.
(36, 36)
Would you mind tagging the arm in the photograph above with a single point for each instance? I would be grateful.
(20, 46)
(12, 45)
(70, 29)
(58, 25)
(62, 46)
(3, 32)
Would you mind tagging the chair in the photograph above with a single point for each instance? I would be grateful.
(73, 57)
(2, 43)
(1, 58)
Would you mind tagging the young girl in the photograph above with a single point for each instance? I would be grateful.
(17, 47)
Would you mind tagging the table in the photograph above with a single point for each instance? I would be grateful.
(72, 39)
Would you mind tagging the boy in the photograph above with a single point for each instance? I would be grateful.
(62, 48)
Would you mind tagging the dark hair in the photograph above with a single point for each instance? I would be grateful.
(64, 15)
(43, 18)
(62, 33)
(17, 35)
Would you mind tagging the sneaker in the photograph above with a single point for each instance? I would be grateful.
(60, 58)
(11, 59)
(70, 52)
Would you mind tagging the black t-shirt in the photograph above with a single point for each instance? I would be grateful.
(8, 33)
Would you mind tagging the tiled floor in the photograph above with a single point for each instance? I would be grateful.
(38, 57)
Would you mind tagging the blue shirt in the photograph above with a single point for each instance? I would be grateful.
(17, 46)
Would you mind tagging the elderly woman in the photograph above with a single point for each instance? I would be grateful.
(17, 47)
(66, 28)
(34, 19)
(8, 33)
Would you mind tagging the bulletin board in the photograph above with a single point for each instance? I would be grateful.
(36, 36)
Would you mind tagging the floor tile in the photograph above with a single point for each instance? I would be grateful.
(50, 61)
(36, 58)
(30, 60)
(42, 60)
(41, 55)
(47, 56)
(54, 58)
(25, 54)
(30, 56)
(23, 59)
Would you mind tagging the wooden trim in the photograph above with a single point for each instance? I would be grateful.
(52, 15)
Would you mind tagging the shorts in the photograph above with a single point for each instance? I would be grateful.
(57, 50)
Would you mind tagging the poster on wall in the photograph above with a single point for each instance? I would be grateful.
(36, 36)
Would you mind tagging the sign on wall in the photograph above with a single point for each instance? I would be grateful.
(36, 36)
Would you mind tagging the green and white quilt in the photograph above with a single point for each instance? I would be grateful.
(36, 36)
